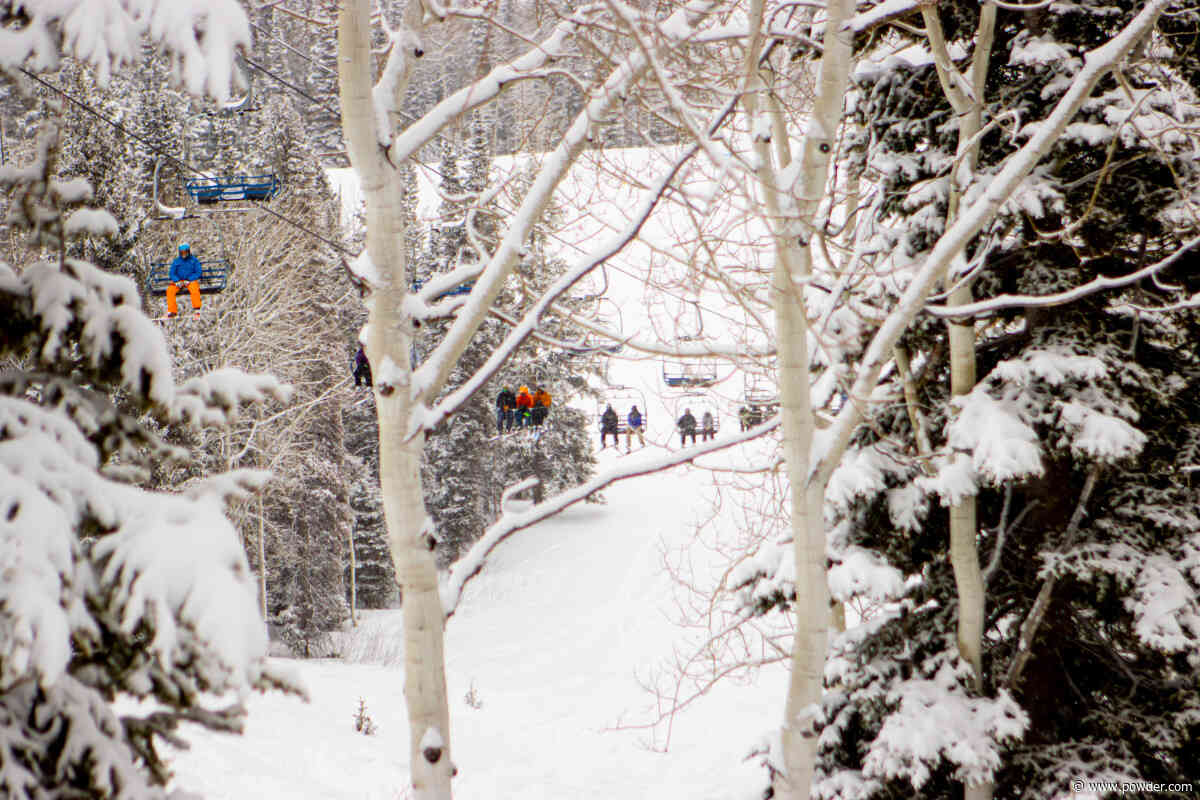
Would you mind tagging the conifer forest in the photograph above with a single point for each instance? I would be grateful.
(697, 400)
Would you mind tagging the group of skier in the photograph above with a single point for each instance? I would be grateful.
(525, 408)
(687, 427)
(522, 408)
(610, 425)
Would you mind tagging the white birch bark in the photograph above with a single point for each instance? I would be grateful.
(964, 556)
(964, 516)
(792, 219)
(399, 455)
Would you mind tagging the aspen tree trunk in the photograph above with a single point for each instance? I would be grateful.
(262, 559)
(964, 518)
(353, 583)
(964, 522)
(793, 217)
(387, 348)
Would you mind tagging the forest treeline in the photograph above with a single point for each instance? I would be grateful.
(966, 233)
(290, 310)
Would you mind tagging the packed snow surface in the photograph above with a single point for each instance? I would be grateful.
(550, 641)
(547, 653)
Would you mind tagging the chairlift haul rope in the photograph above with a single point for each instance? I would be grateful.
(177, 162)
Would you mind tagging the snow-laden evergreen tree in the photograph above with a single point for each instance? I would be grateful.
(282, 312)
(101, 154)
(454, 467)
(1073, 442)
(108, 590)
(375, 575)
(323, 120)
(467, 463)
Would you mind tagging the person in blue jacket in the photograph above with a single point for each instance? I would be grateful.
(185, 274)
(634, 424)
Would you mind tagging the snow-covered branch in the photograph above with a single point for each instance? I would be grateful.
(200, 37)
(996, 304)
(486, 88)
(1098, 63)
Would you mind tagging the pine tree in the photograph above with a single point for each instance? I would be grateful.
(375, 575)
(110, 590)
(281, 312)
(100, 153)
(453, 466)
(1070, 441)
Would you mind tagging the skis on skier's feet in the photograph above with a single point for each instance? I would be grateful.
(168, 316)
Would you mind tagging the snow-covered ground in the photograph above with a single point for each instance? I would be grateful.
(553, 637)
(557, 637)
(559, 634)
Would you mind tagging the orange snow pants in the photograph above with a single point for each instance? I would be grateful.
(173, 289)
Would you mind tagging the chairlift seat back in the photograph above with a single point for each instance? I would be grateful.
(214, 277)
(677, 374)
(235, 187)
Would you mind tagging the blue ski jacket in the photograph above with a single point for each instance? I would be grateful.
(185, 269)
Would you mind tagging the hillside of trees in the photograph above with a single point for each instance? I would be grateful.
(963, 238)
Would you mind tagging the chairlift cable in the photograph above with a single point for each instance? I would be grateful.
(294, 50)
(330, 109)
(680, 298)
(335, 111)
(177, 162)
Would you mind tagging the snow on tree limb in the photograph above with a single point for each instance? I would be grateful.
(484, 90)
(90, 221)
(167, 558)
(1098, 63)
(216, 397)
(200, 37)
(882, 14)
(115, 329)
(984, 308)
(228, 487)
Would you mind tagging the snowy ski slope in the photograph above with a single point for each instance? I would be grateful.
(554, 636)
(567, 622)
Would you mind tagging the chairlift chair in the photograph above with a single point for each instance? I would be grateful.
(621, 398)
(233, 187)
(698, 402)
(606, 312)
(591, 346)
(688, 374)
(214, 276)
(760, 400)
(758, 392)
